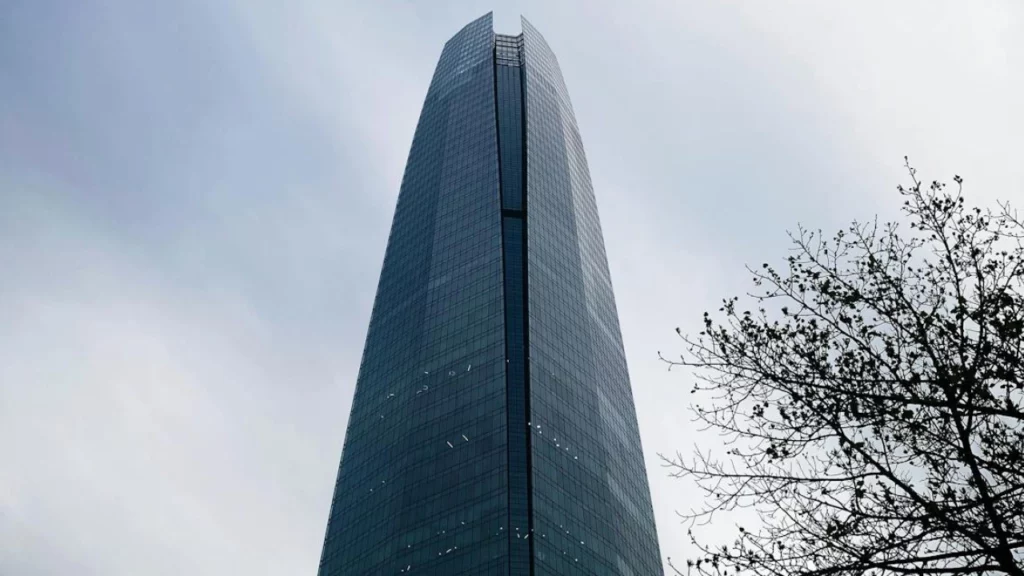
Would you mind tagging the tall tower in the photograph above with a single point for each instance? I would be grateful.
(493, 429)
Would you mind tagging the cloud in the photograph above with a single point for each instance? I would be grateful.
(141, 421)
(195, 200)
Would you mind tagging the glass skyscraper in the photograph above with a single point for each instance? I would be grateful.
(493, 429)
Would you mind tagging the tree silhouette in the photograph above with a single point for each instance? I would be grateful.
(873, 401)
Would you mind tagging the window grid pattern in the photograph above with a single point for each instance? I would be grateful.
(507, 49)
(510, 131)
(592, 512)
(493, 429)
(509, 104)
(515, 317)
(423, 485)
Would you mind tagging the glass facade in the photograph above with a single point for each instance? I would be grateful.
(493, 428)
(591, 502)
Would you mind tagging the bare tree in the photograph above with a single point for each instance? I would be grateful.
(872, 400)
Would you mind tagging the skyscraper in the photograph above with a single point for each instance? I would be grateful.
(493, 429)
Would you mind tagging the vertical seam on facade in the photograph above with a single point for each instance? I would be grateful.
(519, 213)
(526, 293)
(504, 293)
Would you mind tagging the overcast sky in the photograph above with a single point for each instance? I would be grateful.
(195, 199)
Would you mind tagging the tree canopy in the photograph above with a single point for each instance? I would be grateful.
(872, 396)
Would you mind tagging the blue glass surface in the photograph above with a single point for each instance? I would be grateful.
(422, 485)
(591, 501)
(510, 127)
(493, 429)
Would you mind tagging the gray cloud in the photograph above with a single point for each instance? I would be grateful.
(194, 202)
